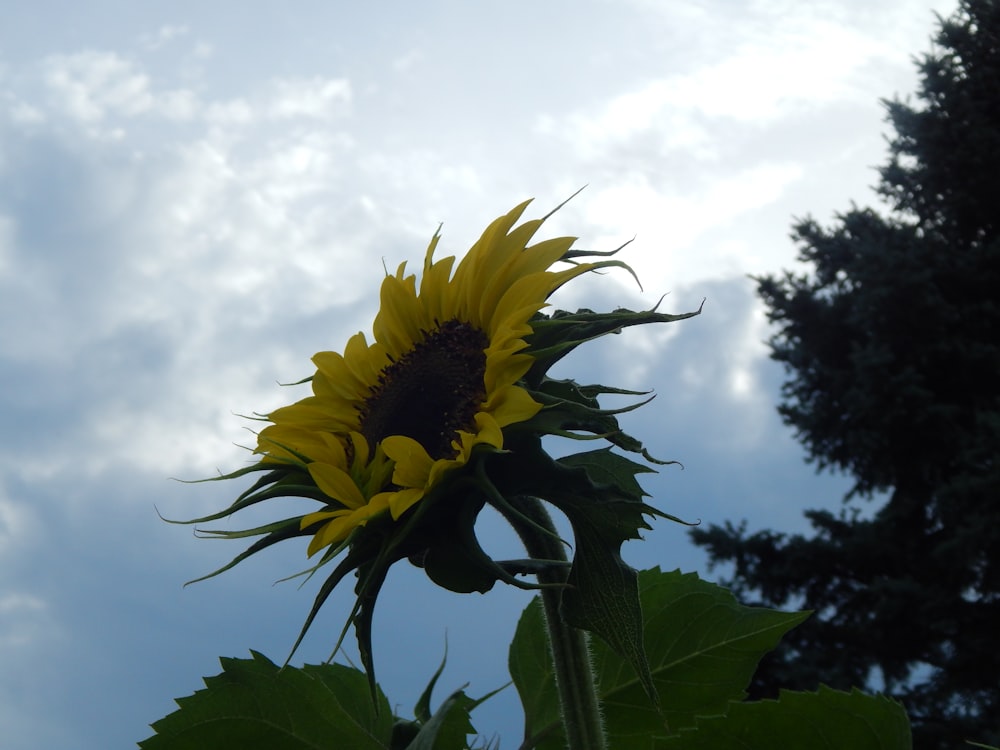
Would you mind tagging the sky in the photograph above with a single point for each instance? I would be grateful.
(195, 198)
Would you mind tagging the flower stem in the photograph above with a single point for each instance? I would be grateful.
(570, 655)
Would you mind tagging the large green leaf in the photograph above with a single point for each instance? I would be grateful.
(253, 703)
(702, 648)
(530, 664)
(824, 719)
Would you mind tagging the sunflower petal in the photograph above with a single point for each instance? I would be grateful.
(413, 464)
(402, 501)
(337, 484)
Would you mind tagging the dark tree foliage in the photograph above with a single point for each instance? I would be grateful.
(892, 348)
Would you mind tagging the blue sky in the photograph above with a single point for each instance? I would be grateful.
(195, 198)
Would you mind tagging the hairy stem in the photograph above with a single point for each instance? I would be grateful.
(570, 656)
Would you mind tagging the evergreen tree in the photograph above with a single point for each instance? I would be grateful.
(892, 348)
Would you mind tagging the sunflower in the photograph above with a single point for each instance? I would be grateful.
(389, 419)
(407, 438)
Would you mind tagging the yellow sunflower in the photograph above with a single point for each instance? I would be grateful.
(388, 419)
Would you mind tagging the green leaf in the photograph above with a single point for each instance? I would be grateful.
(448, 727)
(701, 645)
(253, 703)
(824, 719)
(703, 648)
(530, 665)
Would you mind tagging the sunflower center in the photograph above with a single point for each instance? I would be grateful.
(432, 391)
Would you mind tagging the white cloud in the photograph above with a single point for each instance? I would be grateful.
(187, 248)
(407, 61)
(671, 223)
(163, 36)
(653, 107)
(315, 97)
(97, 87)
(24, 621)
(89, 85)
(203, 50)
(184, 245)
(772, 67)
(18, 526)
(178, 104)
(7, 227)
(22, 113)
(231, 112)
(804, 64)
(106, 92)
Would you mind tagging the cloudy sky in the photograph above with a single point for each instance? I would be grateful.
(194, 198)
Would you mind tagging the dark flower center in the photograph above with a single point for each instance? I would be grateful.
(432, 391)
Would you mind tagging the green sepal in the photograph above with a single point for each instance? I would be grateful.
(282, 482)
(285, 482)
(370, 580)
(448, 727)
(422, 709)
(568, 408)
(440, 534)
(444, 729)
(555, 336)
(267, 528)
(452, 556)
(370, 555)
(276, 532)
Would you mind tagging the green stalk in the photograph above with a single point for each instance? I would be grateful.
(570, 655)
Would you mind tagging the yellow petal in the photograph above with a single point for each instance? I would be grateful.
(360, 445)
(513, 404)
(337, 484)
(413, 464)
(328, 533)
(403, 500)
(502, 371)
(398, 323)
(483, 258)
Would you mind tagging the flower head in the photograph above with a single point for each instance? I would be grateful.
(440, 380)
(406, 437)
